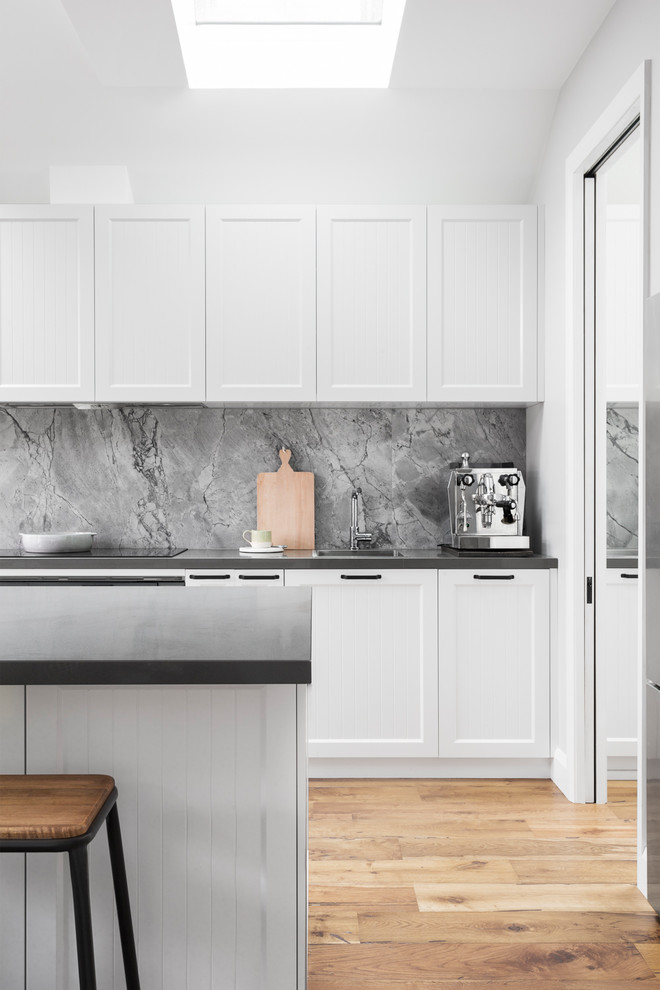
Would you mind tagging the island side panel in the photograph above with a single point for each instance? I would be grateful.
(209, 801)
(12, 868)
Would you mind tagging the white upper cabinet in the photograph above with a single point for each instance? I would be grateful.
(150, 304)
(46, 304)
(260, 304)
(371, 304)
(482, 299)
(621, 294)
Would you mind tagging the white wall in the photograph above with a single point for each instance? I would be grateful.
(630, 34)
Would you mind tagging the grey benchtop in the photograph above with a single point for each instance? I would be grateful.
(164, 635)
(295, 559)
(625, 559)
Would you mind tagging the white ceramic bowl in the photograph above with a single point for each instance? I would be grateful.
(56, 542)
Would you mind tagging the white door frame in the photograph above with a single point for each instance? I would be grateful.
(631, 101)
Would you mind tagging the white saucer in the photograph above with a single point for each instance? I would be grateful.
(261, 549)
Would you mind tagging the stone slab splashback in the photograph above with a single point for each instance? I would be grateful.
(622, 477)
(175, 476)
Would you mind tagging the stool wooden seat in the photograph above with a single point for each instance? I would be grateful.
(63, 813)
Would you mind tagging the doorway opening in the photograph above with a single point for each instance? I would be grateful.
(613, 295)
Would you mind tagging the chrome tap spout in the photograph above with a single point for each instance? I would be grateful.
(356, 538)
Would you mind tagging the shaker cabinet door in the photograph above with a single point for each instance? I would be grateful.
(371, 304)
(374, 662)
(46, 304)
(260, 304)
(616, 651)
(494, 663)
(482, 298)
(150, 304)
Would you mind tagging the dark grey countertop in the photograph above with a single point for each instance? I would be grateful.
(625, 559)
(296, 559)
(116, 635)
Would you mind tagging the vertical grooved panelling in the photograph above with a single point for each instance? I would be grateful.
(207, 790)
(46, 303)
(12, 868)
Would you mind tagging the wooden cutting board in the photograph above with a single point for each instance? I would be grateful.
(285, 505)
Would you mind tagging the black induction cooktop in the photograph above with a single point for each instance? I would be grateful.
(104, 552)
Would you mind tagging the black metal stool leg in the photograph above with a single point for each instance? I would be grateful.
(123, 904)
(82, 911)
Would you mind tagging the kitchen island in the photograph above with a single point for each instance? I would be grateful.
(196, 704)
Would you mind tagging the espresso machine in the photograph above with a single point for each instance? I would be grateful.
(486, 508)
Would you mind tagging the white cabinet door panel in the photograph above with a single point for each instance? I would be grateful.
(482, 298)
(618, 661)
(622, 297)
(371, 303)
(261, 304)
(46, 304)
(207, 803)
(374, 662)
(494, 663)
(150, 304)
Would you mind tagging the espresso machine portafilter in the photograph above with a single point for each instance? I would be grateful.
(486, 507)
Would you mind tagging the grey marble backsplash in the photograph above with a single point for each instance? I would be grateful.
(182, 476)
(622, 477)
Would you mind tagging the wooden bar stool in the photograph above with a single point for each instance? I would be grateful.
(63, 813)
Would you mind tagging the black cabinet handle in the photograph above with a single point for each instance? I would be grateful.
(630, 576)
(258, 577)
(493, 577)
(209, 577)
(361, 577)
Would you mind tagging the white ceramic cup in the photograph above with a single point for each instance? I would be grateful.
(259, 539)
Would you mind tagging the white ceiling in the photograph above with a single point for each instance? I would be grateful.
(444, 44)
(466, 119)
(494, 44)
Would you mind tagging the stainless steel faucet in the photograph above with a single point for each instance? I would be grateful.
(356, 537)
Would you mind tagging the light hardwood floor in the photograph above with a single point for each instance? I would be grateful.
(471, 884)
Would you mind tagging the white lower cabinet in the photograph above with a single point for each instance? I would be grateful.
(617, 664)
(210, 805)
(494, 663)
(374, 662)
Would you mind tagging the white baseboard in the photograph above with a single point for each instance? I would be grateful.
(622, 767)
(559, 773)
(429, 767)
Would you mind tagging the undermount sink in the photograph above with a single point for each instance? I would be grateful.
(362, 552)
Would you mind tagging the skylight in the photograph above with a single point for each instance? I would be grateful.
(288, 11)
(284, 44)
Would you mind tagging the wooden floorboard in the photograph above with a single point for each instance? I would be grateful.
(422, 884)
